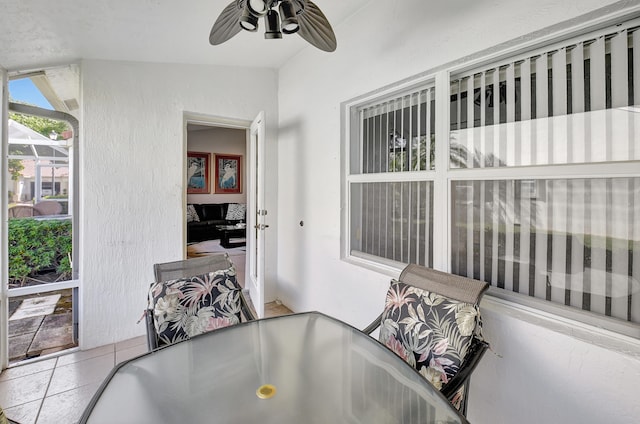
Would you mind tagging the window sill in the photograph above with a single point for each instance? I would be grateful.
(620, 337)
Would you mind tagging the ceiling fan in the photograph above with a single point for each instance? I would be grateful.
(295, 16)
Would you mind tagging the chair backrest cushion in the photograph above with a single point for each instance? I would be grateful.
(429, 331)
(186, 307)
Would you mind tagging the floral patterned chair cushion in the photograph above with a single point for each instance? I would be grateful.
(431, 332)
(186, 307)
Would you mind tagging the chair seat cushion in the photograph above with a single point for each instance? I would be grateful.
(429, 331)
(186, 307)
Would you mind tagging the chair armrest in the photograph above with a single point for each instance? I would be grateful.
(474, 355)
(245, 308)
(152, 337)
(371, 327)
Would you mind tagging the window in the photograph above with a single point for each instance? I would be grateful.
(391, 190)
(541, 195)
(559, 237)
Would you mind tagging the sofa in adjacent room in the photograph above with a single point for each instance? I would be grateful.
(203, 219)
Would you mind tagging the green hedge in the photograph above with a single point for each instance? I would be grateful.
(38, 246)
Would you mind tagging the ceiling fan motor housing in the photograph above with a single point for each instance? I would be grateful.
(281, 16)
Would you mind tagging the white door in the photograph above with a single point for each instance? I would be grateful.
(4, 242)
(256, 215)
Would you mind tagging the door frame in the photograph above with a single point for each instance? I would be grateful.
(74, 207)
(256, 213)
(4, 203)
(221, 122)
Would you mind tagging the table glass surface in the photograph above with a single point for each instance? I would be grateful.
(323, 371)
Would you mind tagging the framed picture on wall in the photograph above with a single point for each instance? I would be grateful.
(198, 173)
(228, 174)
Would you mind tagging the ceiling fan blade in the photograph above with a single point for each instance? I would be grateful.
(315, 28)
(226, 26)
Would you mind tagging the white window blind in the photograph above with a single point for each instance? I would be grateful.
(394, 221)
(397, 134)
(574, 241)
(567, 104)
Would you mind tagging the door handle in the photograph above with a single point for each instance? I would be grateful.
(260, 226)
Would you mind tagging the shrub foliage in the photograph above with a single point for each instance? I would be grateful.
(37, 247)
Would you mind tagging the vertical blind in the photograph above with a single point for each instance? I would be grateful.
(572, 241)
(569, 104)
(392, 214)
(394, 221)
(398, 134)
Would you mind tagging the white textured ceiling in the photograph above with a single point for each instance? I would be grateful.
(42, 33)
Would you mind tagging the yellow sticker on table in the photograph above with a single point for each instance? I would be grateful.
(266, 391)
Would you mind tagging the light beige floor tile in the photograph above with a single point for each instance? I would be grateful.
(26, 369)
(83, 355)
(274, 309)
(132, 352)
(24, 389)
(25, 413)
(81, 373)
(136, 341)
(66, 407)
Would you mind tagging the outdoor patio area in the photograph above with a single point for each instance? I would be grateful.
(40, 325)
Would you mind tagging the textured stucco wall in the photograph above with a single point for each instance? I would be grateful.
(542, 375)
(132, 187)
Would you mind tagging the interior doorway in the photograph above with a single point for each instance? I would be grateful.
(216, 190)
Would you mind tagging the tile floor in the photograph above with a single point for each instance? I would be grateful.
(56, 390)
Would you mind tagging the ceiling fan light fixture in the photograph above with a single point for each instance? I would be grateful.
(289, 19)
(249, 23)
(257, 7)
(302, 17)
(272, 21)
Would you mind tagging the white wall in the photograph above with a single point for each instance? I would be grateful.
(132, 176)
(541, 375)
(226, 141)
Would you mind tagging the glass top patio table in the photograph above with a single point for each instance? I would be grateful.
(300, 368)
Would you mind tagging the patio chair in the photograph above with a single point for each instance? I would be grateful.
(47, 207)
(432, 320)
(21, 211)
(193, 296)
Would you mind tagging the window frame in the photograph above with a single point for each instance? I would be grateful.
(443, 176)
(351, 128)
